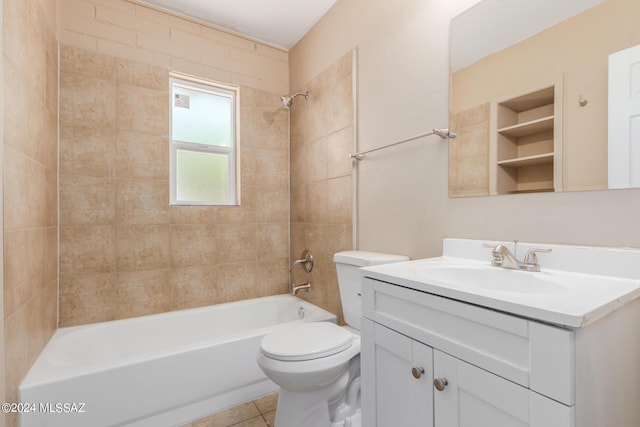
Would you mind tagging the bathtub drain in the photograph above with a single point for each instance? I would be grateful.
(301, 312)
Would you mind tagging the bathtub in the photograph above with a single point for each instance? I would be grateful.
(159, 370)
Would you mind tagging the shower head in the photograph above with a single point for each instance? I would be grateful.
(288, 99)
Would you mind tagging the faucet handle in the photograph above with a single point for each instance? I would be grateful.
(497, 257)
(531, 259)
(306, 261)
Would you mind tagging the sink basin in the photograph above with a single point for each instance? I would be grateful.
(492, 279)
(577, 285)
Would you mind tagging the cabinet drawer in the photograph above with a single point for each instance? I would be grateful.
(534, 355)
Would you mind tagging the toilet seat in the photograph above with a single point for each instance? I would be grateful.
(306, 341)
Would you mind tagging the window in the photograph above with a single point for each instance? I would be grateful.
(203, 143)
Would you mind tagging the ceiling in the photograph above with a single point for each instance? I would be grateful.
(279, 23)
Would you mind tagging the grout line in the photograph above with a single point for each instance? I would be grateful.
(262, 414)
(264, 418)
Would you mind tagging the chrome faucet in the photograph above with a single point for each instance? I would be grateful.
(300, 287)
(306, 261)
(502, 257)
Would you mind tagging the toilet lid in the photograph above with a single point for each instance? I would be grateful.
(306, 341)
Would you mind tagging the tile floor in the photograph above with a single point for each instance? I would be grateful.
(257, 413)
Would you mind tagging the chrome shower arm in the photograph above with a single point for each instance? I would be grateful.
(288, 99)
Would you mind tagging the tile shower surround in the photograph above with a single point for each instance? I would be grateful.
(124, 251)
(321, 140)
(30, 120)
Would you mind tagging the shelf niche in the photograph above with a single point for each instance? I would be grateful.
(527, 142)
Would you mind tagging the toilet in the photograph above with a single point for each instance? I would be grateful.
(317, 365)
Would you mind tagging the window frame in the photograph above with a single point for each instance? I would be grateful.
(218, 89)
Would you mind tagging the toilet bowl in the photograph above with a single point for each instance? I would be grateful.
(317, 365)
(314, 378)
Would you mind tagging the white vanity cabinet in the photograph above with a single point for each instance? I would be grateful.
(475, 397)
(501, 370)
(403, 372)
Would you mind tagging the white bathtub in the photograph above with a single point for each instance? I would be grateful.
(159, 370)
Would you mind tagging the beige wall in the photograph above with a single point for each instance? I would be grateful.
(403, 78)
(321, 187)
(30, 94)
(574, 52)
(123, 250)
(2, 343)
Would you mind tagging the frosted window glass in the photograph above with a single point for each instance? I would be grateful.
(202, 177)
(201, 117)
(203, 144)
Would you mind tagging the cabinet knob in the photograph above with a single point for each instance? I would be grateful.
(417, 372)
(440, 383)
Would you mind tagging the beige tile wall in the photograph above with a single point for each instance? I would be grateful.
(321, 186)
(132, 31)
(30, 63)
(469, 154)
(123, 250)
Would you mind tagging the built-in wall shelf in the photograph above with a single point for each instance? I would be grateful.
(537, 190)
(527, 141)
(521, 162)
(528, 128)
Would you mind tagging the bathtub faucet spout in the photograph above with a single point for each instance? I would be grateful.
(295, 288)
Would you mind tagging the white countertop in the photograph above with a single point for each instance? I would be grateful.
(567, 298)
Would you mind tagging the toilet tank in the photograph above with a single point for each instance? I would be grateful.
(349, 276)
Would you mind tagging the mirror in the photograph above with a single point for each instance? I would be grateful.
(529, 96)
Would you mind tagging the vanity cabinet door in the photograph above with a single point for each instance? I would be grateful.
(403, 391)
(474, 397)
